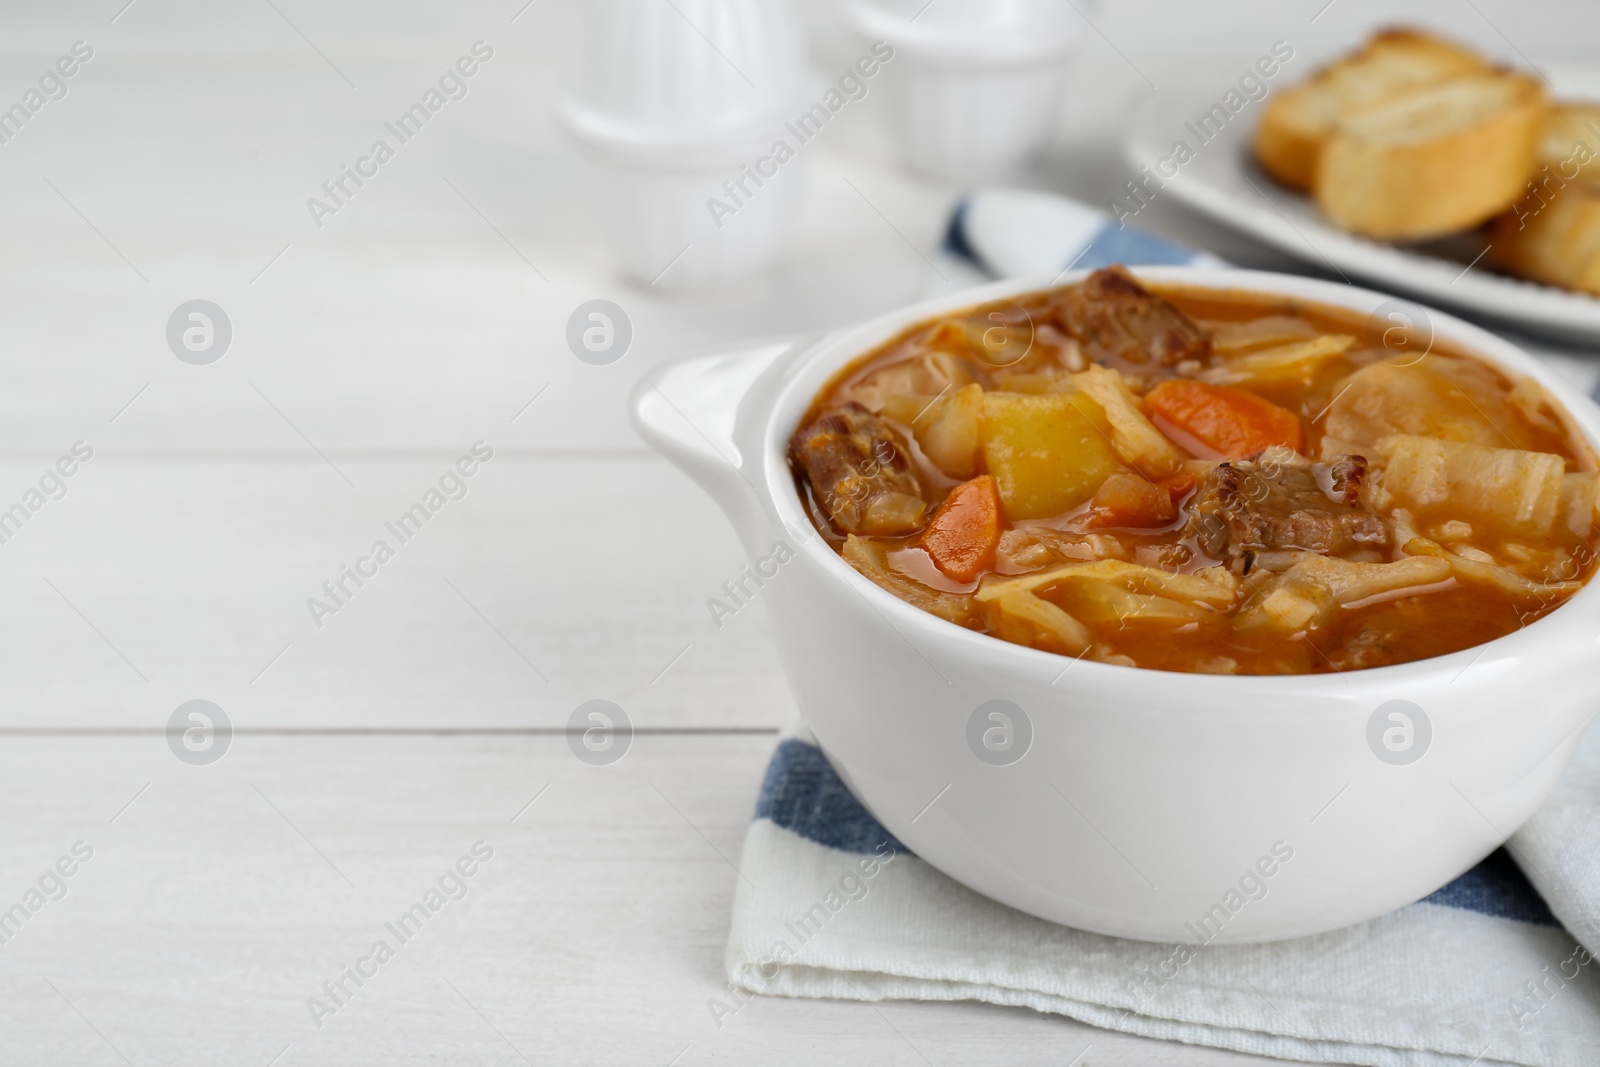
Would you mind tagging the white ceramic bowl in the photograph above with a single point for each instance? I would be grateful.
(976, 83)
(1146, 797)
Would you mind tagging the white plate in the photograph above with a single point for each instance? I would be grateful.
(1223, 181)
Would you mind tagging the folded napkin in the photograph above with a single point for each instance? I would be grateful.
(1486, 971)
(1479, 973)
(1018, 233)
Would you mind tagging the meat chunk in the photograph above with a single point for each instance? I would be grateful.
(1279, 500)
(1345, 477)
(1120, 322)
(858, 473)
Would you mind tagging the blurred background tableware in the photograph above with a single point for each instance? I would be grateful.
(977, 82)
(1223, 183)
(674, 103)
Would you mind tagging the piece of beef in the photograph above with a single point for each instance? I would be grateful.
(858, 473)
(1280, 502)
(1342, 477)
(1119, 322)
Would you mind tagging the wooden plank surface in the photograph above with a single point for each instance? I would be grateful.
(368, 354)
(549, 583)
(219, 898)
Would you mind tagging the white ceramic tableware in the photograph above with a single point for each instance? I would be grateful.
(1223, 182)
(1143, 801)
(975, 84)
(671, 101)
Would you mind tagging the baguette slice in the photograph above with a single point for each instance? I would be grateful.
(1552, 234)
(1433, 160)
(1571, 144)
(1297, 122)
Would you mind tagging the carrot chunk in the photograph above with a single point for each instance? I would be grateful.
(1230, 423)
(1179, 485)
(964, 532)
(1132, 500)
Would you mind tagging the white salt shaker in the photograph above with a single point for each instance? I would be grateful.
(679, 103)
(976, 83)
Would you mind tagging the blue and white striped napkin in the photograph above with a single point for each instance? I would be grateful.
(1488, 970)
(1483, 972)
(1020, 233)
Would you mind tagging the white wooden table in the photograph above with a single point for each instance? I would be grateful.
(372, 752)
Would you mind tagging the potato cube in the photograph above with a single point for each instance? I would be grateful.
(946, 427)
(1048, 454)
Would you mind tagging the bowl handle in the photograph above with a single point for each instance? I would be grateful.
(689, 412)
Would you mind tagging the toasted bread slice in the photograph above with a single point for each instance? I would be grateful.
(1558, 244)
(1433, 160)
(1297, 122)
(1571, 144)
(1552, 234)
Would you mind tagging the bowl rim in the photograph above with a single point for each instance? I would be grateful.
(804, 371)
